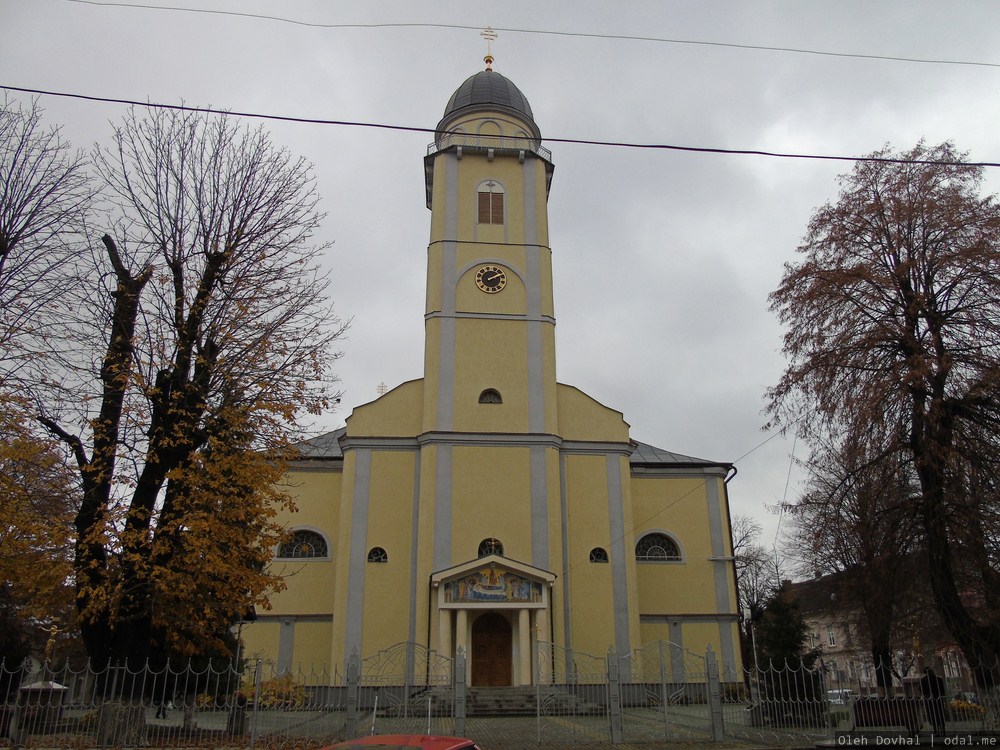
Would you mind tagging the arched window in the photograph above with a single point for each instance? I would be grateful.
(490, 202)
(490, 396)
(303, 544)
(599, 555)
(377, 555)
(657, 546)
(490, 547)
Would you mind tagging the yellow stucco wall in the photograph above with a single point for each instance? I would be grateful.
(390, 513)
(679, 508)
(584, 418)
(317, 498)
(491, 497)
(589, 526)
(397, 413)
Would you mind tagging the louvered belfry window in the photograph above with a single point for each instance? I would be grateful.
(490, 203)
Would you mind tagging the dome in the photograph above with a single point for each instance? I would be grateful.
(487, 90)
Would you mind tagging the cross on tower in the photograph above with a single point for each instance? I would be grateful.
(489, 35)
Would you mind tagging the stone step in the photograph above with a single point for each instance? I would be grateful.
(504, 701)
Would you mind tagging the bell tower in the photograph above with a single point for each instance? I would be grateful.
(489, 358)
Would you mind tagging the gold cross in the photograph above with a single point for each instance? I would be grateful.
(489, 35)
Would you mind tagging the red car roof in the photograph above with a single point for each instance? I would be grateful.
(407, 742)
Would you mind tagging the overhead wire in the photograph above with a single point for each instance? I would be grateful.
(545, 32)
(416, 129)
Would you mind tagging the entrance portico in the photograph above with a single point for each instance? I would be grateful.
(496, 610)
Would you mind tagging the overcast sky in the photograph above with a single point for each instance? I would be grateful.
(663, 260)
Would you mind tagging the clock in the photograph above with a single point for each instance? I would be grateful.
(491, 279)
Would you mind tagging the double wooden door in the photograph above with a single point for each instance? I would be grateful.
(491, 650)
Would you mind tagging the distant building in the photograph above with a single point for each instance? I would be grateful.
(837, 627)
(485, 505)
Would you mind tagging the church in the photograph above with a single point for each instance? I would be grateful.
(486, 506)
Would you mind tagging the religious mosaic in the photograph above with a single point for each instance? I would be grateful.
(492, 585)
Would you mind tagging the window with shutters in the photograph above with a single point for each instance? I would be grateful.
(491, 202)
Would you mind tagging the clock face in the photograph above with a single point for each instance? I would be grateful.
(491, 279)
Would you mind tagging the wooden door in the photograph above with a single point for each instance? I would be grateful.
(491, 650)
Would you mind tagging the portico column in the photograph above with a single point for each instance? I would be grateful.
(461, 627)
(524, 646)
(444, 632)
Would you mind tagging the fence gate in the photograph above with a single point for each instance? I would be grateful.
(572, 695)
(665, 694)
(406, 688)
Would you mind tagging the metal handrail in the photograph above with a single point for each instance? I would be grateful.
(508, 144)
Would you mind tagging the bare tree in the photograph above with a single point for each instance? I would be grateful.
(893, 334)
(206, 317)
(756, 578)
(44, 195)
(756, 572)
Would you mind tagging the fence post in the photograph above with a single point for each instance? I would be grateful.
(258, 679)
(460, 691)
(664, 695)
(614, 697)
(714, 695)
(353, 683)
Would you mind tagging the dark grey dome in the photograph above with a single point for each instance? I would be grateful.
(488, 89)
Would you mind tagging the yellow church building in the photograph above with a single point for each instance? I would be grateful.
(486, 506)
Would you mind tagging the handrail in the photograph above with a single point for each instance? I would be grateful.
(506, 144)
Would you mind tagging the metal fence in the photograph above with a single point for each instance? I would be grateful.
(790, 704)
(657, 693)
(173, 706)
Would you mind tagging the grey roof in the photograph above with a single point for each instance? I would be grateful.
(327, 446)
(487, 89)
(649, 455)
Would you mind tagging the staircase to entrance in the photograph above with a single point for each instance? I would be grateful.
(505, 701)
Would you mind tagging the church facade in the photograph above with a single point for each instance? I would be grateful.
(487, 506)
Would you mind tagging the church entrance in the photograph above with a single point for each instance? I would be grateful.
(491, 650)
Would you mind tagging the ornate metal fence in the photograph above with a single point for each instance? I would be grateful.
(572, 695)
(665, 694)
(790, 704)
(406, 688)
(658, 693)
(173, 706)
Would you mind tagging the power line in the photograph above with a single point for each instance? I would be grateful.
(548, 32)
(415, 129)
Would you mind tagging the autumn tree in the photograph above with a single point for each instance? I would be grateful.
(38, 497)
(856, 519)
(202, 337)
(893, 337)
(45, 194)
